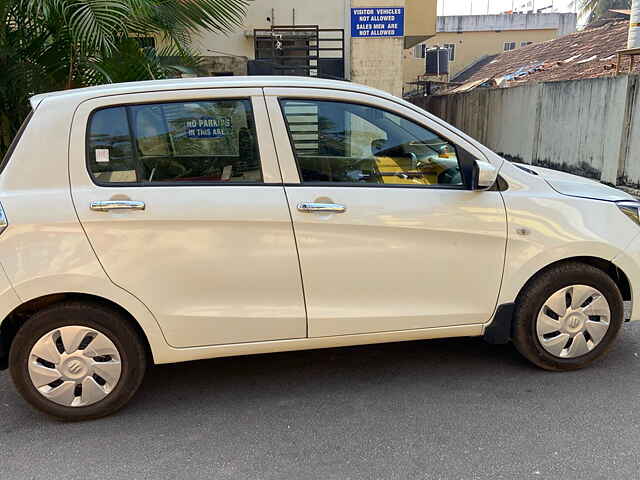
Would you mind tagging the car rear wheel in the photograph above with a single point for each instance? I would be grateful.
(77, 361)
(568, 317)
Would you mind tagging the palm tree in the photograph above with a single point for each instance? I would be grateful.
(597, 9)
(58, 44)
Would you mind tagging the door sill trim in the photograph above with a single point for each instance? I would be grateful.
(174, 355)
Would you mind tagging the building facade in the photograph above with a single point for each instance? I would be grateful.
(470, 38)
(359, 40)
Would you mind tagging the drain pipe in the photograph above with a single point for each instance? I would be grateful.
(634, 26)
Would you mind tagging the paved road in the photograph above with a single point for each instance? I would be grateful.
(450, 409)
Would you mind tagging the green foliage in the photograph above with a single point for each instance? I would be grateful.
(598, 9)
(50, 45)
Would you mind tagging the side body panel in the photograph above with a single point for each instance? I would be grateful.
(216, 264)
(172, 355)
(399, 258)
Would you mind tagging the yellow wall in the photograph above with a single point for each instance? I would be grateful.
(412, 67)
(326, 14)
(420, 20)
(471, 46)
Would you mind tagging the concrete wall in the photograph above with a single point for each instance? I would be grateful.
(512, 108)
(214, 65)
(563, 23)
(588, 127)
(631, 151)
(580, 125)
(503, 119)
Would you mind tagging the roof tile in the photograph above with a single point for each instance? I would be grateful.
(586, 54)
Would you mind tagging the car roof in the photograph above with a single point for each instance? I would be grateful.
(82, 94)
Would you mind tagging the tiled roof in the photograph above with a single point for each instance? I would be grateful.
(585, 54)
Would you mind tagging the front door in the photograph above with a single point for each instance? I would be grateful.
(182, 200)
(389, 235)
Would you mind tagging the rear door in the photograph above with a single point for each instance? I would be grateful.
(182, 200)
(389, 235)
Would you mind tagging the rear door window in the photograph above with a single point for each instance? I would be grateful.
(178, 142)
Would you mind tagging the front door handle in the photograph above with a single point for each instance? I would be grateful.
(106, 205)
(321, 207)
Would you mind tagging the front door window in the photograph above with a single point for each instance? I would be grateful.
(338, 142)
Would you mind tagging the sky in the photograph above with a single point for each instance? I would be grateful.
(480, 7)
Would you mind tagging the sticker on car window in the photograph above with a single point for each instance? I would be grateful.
(102, 155)
(208, 127)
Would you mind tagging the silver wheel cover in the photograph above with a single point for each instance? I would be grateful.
(573, 321)
(74, 366)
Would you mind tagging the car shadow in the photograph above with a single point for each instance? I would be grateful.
(458, 364)
(222, 382)
(338, 381)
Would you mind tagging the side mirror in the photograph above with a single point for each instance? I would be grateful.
(484, 175)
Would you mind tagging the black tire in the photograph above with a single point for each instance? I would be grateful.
(533, 297)
(107, 321)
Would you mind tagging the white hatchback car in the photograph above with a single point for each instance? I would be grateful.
(176, 220)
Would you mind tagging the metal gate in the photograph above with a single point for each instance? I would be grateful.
(303, 50)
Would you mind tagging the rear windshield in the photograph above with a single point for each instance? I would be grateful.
(15, 141)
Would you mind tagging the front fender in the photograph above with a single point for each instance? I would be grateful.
(545, 227)
(519, 269)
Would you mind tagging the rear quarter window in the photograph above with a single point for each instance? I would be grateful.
(15, 141)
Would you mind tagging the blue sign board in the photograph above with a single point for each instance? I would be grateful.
(377, 22)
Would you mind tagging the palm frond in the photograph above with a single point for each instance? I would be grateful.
(96, 24)
(55, 44)
(597, 9)
(218, 15)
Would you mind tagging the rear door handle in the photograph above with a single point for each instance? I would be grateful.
(321, 207)
(106, 205)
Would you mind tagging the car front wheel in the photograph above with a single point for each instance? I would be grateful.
(568, 317)
(77, 361)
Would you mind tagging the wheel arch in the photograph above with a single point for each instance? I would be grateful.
(12, 323)
(615, 273)
(500, 331)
